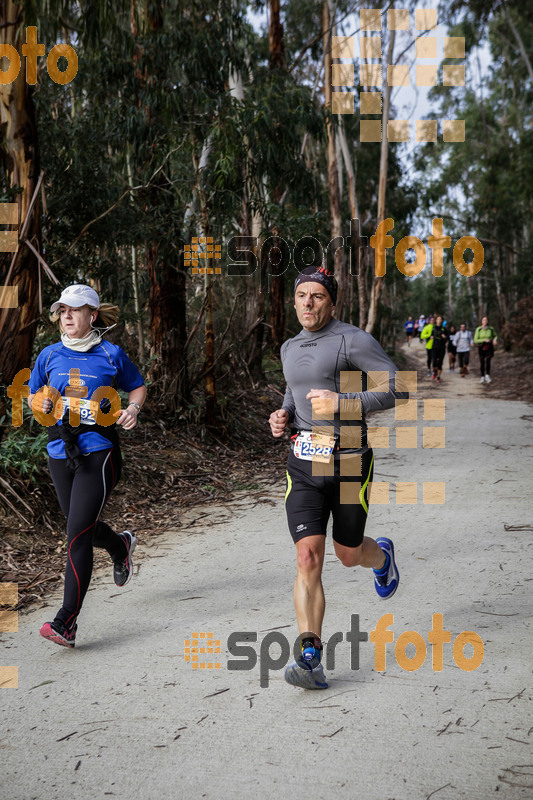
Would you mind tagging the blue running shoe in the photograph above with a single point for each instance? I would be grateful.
(387, 584)
(306, 674)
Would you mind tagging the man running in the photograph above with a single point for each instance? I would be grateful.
(329, 468)
(463, 342)
(409, 327)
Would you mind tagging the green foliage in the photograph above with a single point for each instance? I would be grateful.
(428, 296)
(156, 91)
(23, 452)
(482, 186)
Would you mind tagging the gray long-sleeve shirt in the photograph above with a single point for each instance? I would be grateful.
(338, 357)
(463, 341)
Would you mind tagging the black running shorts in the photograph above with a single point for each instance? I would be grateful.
(438, 356)
(309, 500)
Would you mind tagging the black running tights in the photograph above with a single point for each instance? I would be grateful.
(82, 496)
(484, 361)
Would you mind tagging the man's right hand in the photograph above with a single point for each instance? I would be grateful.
(278, 420)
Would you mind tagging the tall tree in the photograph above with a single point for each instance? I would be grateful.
(21, 165)
(167, 295)
(378, 280)
(276, 61)
(332, 161)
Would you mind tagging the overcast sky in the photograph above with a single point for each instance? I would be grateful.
(410, 102)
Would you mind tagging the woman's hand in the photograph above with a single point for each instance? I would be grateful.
(128, 417)
(41, 403)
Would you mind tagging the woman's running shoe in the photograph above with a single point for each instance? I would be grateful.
(57, 632)
(123, 570)
(306, 674)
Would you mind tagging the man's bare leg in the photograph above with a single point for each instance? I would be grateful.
(310, 604)
(368, 554)
(309, 600)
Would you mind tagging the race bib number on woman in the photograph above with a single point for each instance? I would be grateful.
(83, 406)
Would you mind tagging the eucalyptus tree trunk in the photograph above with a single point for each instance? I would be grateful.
(362, 287)
(519, 41)
(254, 300)
(277, 283)
(355, 236)
(480, 303)
(378, 280)
(135, 272)
(167, 297)
(211, 409)
(21, 164)
(332, 162)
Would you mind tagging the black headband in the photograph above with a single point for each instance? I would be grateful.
(318, 275)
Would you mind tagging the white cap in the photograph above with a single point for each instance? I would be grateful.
(75, 296)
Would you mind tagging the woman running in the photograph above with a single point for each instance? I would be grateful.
(440, 338)
(452, 349)
(83, 448)
(426, 336)
(485, 337)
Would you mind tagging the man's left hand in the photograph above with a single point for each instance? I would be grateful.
(325, 403)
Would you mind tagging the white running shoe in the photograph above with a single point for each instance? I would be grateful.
(306, 675)
(488, 379)
(482, 379)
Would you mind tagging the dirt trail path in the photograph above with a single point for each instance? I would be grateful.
(124, 715)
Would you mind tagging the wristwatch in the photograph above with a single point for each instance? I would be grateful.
(137, 406)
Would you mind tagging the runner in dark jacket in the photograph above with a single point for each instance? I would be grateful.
(452, 350)
(439, 336)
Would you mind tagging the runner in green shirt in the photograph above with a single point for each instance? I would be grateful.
(485, 338)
